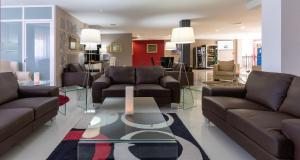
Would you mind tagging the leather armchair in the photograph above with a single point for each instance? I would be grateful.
(76, 74)
(225, 70)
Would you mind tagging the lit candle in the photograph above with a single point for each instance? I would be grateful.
(129, 94)
(36, 77)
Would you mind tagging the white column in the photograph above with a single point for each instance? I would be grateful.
(271, 35)
(281, 36)
(290, 56)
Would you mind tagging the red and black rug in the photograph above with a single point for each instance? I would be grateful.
(188, 148)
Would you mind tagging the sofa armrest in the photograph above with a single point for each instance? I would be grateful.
(38, 91)
(238, 92)
(172, 84)
(291, 128)
(97, 87)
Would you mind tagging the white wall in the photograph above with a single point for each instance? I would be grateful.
(271, 35)
(291, 37)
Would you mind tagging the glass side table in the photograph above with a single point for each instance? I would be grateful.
(187, 96)
(67, 90)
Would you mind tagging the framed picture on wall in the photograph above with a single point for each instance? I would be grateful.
(115, 47)
(151, 48)
(72, 43)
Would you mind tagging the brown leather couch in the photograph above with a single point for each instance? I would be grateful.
(147, 82)
(23, 109)
(263, 117)
(76, 75)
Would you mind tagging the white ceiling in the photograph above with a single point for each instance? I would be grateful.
(154, 19)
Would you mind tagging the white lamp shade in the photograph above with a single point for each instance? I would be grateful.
(91, 46)
(90, 36)
(103, 49)
(183, 35)
(170, 46)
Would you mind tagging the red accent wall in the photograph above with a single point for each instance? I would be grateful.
(140, 56)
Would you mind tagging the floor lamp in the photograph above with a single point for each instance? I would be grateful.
(90, 38)
(182, 35)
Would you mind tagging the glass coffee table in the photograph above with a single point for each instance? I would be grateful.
(144, 134)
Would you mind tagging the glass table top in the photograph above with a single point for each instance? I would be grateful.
(111, 125)
(71, 88)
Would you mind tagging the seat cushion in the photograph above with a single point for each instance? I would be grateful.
(264, 128)
(13, 120)
(220, 105)
(225, 73)
(292, 101)
(268, 89)
(116, 90)
(152, 90)
(149, 75)
(121, 75)
(8, 87)
(40, 105)
(226, 65)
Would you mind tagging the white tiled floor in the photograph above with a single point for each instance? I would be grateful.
(42, 142)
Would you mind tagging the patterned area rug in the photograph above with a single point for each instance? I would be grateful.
(188, 148)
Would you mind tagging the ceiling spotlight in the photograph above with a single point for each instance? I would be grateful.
(243, 27)
(237, 23)
(100, 11)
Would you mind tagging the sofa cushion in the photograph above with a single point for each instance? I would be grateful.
(149, 75)
(264, 128)
(40, 105)
(121, 75)
(225, 73)
(292, 101)
(13, 120)
(268, 89)
(226, 65)
(152, 90)
(116, 90)
(220, 105)
(8, 87)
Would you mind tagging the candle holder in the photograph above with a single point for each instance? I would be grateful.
(129, 100)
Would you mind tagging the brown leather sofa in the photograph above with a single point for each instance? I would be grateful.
(263, 117)
(23, 109)
(147, 82)
(76, 75)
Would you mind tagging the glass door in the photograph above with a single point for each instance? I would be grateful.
(11, 42)
(37, 55)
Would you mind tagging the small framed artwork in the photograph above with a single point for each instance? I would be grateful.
(72, 43)
(115, 47)
(151, 48)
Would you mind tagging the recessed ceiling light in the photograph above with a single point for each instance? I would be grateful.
(243, 27)
(237, 23)
(113, 24)
(100, 11)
